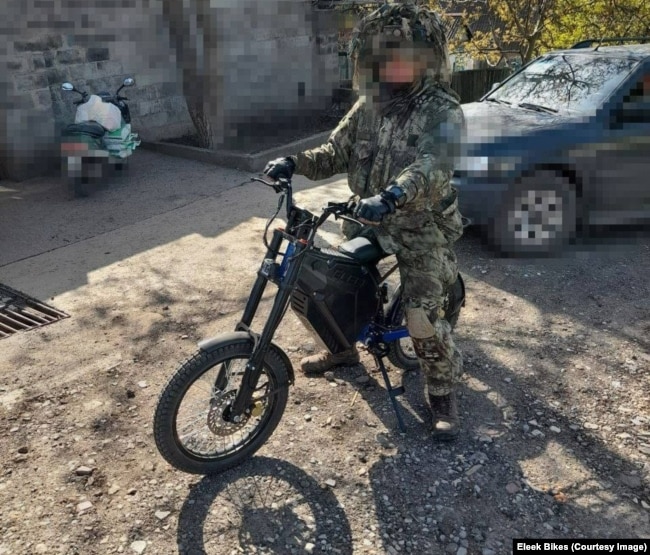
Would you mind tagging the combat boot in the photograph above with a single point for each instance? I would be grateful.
(445, 416)
(324, 361)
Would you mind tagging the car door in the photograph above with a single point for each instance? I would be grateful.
(619, 190)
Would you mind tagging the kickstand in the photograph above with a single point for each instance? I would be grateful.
(393, 392)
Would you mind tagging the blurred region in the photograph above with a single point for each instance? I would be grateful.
(554, 149)
(227, 69)
(560, 148)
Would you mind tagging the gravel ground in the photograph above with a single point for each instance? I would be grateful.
(554, 403)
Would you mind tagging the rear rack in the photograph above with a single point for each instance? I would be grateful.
(588, 43)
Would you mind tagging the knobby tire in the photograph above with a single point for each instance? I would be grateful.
(169, 402)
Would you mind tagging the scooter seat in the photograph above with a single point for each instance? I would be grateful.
(363, 250)
(91, 128)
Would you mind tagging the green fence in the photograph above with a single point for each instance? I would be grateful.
(472, 84)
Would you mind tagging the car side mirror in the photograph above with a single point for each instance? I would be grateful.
(129, 82)
(67, 87)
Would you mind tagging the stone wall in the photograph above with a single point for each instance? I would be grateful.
(276, 61)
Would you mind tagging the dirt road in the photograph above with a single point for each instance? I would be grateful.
(556, 418)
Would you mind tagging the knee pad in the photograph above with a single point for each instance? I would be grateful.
(419, 324)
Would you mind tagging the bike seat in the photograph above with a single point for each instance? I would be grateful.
(91, 128)
(363, 250)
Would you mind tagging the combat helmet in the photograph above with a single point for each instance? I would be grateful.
(409, 24)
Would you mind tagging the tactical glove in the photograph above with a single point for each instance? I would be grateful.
(280, 167)
(374, 209)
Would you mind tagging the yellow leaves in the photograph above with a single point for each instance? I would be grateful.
(531, 27)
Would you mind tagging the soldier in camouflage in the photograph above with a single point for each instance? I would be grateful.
(399, 144)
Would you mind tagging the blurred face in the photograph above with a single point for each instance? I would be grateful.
(399, 69)
(394, 61)
(400, 62)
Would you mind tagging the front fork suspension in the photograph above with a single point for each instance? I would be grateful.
(255, 364)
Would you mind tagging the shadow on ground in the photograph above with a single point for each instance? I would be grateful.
(265, 506)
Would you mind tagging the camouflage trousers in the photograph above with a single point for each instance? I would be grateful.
(426, 276)
(426, 273)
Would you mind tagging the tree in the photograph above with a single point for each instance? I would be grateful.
(501, 27)
(192, 33)
(587, 19)
(529, 27)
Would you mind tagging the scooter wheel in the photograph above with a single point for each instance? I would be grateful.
(75, 182)
(191, 426)
(81, 188)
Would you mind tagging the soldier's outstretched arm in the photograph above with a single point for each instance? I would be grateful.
(438, 152)
(333, 156)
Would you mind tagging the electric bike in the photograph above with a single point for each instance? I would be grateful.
(226, 400)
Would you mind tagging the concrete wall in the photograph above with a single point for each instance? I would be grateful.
(276, 60)
(277, 64)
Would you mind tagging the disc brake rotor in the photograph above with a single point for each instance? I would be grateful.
(220, 405)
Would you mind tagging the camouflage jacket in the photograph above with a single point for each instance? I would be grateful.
(416, 148)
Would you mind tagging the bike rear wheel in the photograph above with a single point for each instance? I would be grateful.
(190, 430)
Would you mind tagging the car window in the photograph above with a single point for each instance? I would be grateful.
(641, 91)
(566, 82)
(636, 105)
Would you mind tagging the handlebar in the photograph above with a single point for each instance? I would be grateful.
(343, 211)
(85, 96)
(340, 210)
(279, 186)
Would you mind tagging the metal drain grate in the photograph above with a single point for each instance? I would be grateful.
(20, 312)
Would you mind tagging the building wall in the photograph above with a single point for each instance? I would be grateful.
(277, 63)
(269, 61)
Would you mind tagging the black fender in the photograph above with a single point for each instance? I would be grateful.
(214, 343)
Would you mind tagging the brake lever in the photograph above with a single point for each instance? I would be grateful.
(349, 219)
(332, 206)
(281, 183)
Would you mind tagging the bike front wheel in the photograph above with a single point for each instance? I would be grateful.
(191, 426)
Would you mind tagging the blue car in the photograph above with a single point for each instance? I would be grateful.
(561, 145)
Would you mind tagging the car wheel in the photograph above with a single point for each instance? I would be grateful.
(537, 217)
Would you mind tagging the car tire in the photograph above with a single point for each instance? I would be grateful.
(537, 217)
